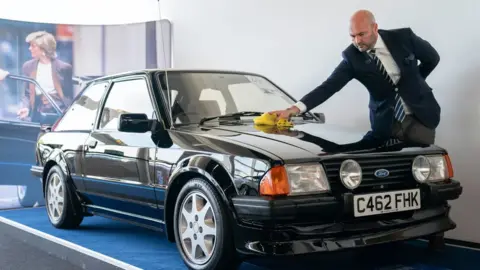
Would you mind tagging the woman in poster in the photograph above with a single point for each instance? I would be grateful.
(53, 75)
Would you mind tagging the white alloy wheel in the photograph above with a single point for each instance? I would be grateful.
(197, 228)
(21, 192)
(55, 198)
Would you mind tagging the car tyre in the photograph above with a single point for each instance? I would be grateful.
(63, 208)
(206, 229)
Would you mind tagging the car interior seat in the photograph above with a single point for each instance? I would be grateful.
(202, 108)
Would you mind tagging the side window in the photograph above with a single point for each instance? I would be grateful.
(81, 115)
(125, 97)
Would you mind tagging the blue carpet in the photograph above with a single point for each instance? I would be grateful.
(150, 250)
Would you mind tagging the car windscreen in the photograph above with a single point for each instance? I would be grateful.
(196, 95)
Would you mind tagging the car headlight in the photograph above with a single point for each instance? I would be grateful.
(307, 179)
(350, 174)
(432, 168)
(294, 180)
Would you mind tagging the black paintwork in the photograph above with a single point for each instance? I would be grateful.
(137, 176)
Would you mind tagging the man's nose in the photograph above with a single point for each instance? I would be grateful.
(358, 40)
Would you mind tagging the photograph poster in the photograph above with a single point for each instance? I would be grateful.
(43, 67)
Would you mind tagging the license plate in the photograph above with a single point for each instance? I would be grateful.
(386, 202)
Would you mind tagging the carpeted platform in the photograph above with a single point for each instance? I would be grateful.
(150, 250)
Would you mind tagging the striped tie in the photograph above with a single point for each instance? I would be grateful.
(399, 110)
(392, 142)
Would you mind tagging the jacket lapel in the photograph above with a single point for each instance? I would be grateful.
(365, 61)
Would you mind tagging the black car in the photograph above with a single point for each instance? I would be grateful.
(178, 151)
(18, 137)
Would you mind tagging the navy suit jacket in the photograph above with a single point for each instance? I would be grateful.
(407, 49)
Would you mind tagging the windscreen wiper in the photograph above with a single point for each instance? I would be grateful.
(230, 115)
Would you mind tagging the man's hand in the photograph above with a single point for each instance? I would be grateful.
(3, 74)
(286, 114)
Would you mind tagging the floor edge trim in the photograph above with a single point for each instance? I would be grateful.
(71, 246)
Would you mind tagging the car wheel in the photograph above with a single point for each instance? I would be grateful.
(25, 197)
(63, 209)
(203, 231)
(31, 195)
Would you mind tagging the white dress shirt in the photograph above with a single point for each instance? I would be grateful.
(382, 52)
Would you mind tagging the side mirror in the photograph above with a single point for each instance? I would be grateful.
(320, 116)
(134, 123)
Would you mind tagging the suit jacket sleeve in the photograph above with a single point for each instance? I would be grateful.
(67, 84)
(342, 74)
(424, 51)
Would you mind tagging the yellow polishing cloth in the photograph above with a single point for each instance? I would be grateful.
(266, 129)
(272, 129)
(284, 123)
(268, 119)
(265, 119)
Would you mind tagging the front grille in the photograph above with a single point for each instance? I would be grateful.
(399, 167)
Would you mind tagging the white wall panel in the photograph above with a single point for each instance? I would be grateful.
(125, 48)
(87, 40)
(298, 43)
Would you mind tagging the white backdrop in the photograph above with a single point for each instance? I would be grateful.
(86, 12)
(298, 45)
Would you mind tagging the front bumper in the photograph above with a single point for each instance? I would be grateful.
(309, 224)
(37, 171)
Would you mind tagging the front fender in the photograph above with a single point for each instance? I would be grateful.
(51, 156)
(209, 168)
(204, 166)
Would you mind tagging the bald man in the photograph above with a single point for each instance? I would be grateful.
(393, 65)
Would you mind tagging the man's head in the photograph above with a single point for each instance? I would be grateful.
(363, 30)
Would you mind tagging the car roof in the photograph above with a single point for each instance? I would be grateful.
(149, 71)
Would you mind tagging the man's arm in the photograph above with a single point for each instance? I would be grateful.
(342, 74)
(424, 51)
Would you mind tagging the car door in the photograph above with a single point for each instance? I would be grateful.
(18, 137)
(118, 166)
(75, 126)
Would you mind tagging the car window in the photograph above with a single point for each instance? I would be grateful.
(130, 96)
(14, 101)
(81, 115)
(205, 94)
(259, 98)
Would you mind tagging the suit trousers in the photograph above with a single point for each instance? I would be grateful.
(413, 131)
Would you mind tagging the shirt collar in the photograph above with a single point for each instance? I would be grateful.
(379, 44)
